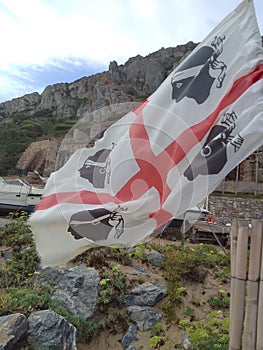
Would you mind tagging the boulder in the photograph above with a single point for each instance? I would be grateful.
(147, 294)
(48, 330)
(74, 288)
(129, 337)
(155, 258)
(144, 317)
(13, 329)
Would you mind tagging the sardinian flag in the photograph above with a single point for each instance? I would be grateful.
(164, 156)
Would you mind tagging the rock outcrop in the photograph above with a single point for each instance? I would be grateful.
(48, 330)
(118, 90)
(137, 78)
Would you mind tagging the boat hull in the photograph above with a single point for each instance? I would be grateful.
(16, 195)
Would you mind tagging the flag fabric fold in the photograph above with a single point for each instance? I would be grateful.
(164, 156)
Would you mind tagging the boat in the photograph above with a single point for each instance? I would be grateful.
(17, 194)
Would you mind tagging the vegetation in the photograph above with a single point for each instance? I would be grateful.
(20, 290)
(209, 334)
(182, 264)
(18, 133)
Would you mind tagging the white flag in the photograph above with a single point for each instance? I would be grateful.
(166, 155)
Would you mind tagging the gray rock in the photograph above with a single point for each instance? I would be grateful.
(131, 347)
(155, 258)
(147, 294)
(144, 317)
(26, 104)
(129, 337)
(75, 288)
(139, 76)
(13, 329)
(50, 331)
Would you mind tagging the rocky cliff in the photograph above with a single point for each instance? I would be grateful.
(139, 77)
(36, 120)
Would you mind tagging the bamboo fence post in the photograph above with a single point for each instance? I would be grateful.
(237, 307)
(233, 252)
(250, 324)
(259, 345)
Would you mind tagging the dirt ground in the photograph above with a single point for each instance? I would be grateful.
(4, 221)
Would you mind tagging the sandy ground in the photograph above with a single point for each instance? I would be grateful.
(4, 221)
(196, 298)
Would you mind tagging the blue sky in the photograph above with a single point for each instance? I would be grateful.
(45, 42)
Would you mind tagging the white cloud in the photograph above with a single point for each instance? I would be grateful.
(37, 32)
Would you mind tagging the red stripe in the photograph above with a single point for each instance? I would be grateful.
(176, 150)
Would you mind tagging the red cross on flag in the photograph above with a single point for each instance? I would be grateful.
(164, 156)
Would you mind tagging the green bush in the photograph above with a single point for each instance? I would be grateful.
(210, 334)
(188, 264)
(16, 136)
(113, 286)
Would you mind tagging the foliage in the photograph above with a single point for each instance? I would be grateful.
(188, 263)
(16, 135)
(23, 300)
(210, 334)
(19, 269)
(220, 301)
(113, 286)
(20, 291)
(103, 256)
(158, 338)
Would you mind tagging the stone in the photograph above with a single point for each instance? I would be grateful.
(131, 347)
(13, 329)
(144, 317)
(129, 337)
(74, 288)
(147, 294)
(155, 258)
(26, 104)
(48, 330)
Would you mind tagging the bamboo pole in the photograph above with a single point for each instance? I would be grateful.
(233, 252)
(239, 288)
(260, 303)
(250, 324)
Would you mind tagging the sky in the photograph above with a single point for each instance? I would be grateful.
(44, 42)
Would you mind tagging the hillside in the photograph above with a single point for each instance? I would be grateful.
(156, 295)
(42, 116)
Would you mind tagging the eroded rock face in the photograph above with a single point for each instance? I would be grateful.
(131, 82)
(48, 330)
(13, 329)
(138, 77)
(26, 104)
